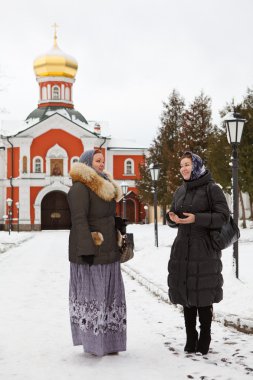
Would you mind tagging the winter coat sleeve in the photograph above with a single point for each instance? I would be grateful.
(172, 209)
(219, 211)
(79, 200)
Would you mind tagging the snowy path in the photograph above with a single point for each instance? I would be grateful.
(35, 341)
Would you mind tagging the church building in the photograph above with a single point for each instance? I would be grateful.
(35, 160)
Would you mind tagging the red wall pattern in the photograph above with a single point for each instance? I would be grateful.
(133, 189)
(44, 142)
(54, 83)
(74, 147)
(55, 104)
(118, 166)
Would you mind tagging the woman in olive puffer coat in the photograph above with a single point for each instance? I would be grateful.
(96, 291)
(195, 280)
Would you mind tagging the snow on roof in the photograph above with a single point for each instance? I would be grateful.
(61, 111)
(12, 127)
(119, 144)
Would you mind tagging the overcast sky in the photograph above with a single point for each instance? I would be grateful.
(131, 54)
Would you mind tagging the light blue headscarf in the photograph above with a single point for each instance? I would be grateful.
(87, 157)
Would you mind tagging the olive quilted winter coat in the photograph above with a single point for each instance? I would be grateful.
(92, 202)
(194, 267)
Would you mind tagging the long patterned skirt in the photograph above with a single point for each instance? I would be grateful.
(97, 308)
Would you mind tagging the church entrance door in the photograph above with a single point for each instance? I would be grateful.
(130, 211)
(55, 213)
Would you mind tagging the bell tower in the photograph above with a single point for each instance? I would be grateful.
(55, 73)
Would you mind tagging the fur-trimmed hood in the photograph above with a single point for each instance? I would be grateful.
(107, 190)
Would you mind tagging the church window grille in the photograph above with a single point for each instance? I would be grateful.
(37, 165)
(129, 167)
(56, 93)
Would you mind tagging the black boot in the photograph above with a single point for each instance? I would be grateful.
(205, 319)
(190, 315)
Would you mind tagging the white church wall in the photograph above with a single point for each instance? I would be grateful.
(2, 203)
(246, 203)
(24, 202)
(25, 146)
(3, 169)
(3, 163)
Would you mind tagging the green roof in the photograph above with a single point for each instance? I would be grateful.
(43, 113)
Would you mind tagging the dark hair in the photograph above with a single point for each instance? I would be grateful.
(97, 151)
(186, 155)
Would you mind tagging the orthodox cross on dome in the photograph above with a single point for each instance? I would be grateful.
(55, 26)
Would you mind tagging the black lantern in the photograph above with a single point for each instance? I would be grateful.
(234, 124)
(17, 205)
(124, 188)
(154, 172)
(9, 205)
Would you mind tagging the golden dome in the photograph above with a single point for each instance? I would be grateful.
(55, 63)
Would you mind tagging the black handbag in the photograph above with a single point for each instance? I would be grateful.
(127, 248)
(127, 240)
(227, 235)
(120, 224)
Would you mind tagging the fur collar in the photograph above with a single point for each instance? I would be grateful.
(107, 190)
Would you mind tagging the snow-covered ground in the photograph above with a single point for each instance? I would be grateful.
(35, 340)
(151, 262)
(8, 241)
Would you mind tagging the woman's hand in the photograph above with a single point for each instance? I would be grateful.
(190, 218)
(172, 216)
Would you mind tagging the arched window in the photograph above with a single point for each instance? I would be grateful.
(37, 165)
(129, 166)
(56, 93)
(24, 164)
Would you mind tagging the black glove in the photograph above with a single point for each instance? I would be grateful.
(120, 224)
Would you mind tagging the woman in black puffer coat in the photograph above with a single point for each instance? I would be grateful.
(195, 280)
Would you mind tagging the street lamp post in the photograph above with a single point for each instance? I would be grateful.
(124, 188)
(9, 203)
(17, 205)
(146, 214)
(5, 218)
(234, 125)
(154, 172)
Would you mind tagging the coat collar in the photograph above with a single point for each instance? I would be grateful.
(105, 189)
(198, 182)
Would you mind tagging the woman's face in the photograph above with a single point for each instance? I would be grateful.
(186, 168)
(98, 162)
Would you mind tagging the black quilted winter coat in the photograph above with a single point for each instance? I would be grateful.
(194, 267)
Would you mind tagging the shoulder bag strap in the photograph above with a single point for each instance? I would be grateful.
(209, 197)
